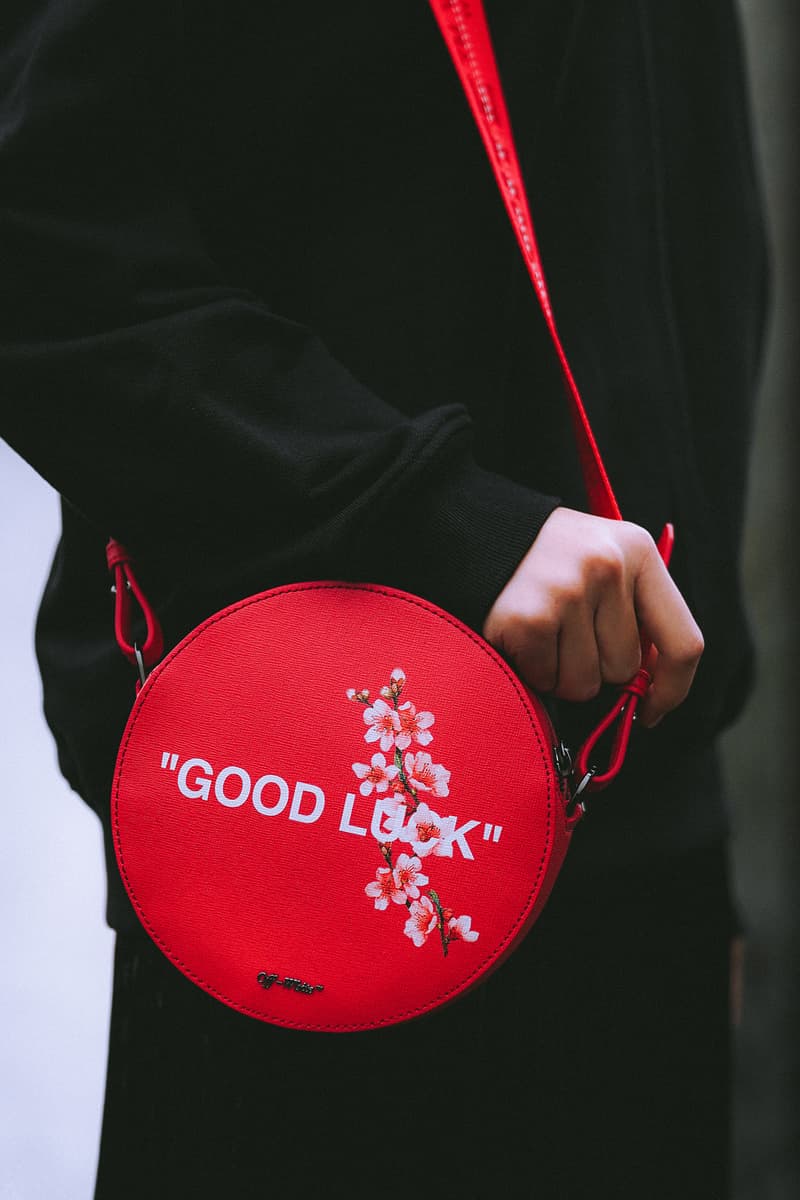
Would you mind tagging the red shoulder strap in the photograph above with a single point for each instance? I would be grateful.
(463, 25)
(466, 33)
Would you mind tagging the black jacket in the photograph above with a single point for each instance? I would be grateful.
(263, 319)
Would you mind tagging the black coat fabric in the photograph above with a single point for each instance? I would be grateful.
(263, 319)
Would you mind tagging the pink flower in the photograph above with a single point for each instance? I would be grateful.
(458, 930)
(378, 776)
(384, 888)
(384, 724)
(414, 726)
(423, 831)
(426, 775)
(421, 921)
(408, 875)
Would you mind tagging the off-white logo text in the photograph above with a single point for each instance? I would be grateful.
(271, 795)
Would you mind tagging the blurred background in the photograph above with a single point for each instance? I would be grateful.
(761, 751)
(55, 950)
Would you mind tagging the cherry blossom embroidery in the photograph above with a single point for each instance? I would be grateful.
(458, 929)
(427, 775)
(408, 875)
(423, 831)
(405, 816)
(377, 775)
(384, 723)
(422, 921)
(384, 887)
(414, 726)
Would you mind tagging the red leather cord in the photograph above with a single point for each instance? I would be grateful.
(466, 33)
(127, 589)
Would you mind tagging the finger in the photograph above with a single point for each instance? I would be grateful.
(653, 707)
(672, 676)
(578, 660)
(619, 644)
(535, 647)
(665, 619)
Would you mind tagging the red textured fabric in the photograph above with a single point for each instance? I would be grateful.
(253, 767)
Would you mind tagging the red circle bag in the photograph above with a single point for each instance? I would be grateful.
(337, 832)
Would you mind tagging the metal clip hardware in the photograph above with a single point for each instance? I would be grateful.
(140, 664)
(575, 800)
(563, 760)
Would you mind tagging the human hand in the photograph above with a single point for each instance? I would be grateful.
(573, 614)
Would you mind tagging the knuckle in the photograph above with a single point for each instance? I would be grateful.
(569, 596)
(639, 539)
(691, 650)
(607, 565)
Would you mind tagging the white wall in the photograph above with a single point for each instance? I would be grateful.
(55, 949)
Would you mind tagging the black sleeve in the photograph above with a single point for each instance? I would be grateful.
(166, 403)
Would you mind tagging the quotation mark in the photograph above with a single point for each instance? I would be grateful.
(492, 832)
(169, 762)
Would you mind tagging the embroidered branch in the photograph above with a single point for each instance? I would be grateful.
(408, 780)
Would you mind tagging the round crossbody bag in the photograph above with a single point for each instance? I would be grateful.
(335, 806)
